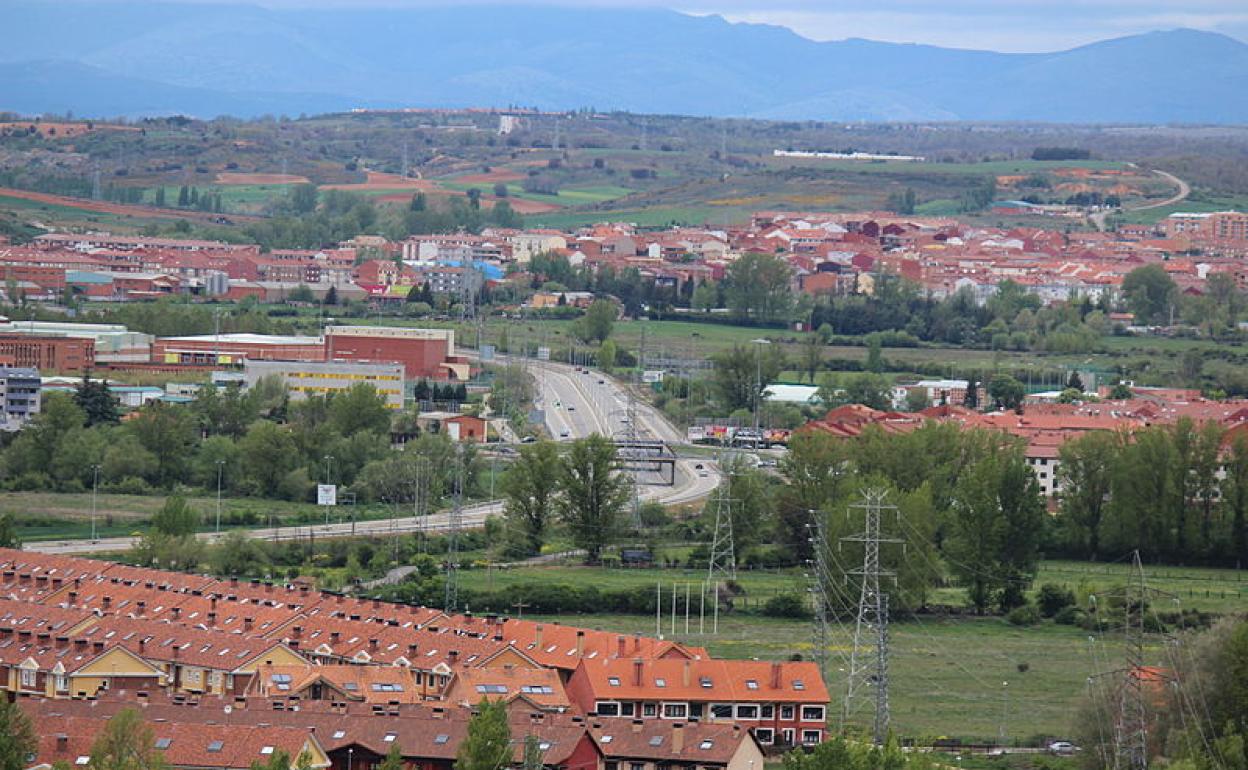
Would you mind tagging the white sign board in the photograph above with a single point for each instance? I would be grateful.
(652, 376)
(696, 433)
(543, 354)
(487, 352)
(326, 494)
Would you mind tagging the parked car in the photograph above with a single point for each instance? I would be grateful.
(1062, 747)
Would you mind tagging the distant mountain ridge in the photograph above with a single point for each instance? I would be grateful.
(141, 57)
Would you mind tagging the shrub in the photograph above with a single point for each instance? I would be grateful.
(1070, 615)
(786, 606)
(1052, 599)
(1026, 615)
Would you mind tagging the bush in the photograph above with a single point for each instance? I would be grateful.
(32, 481)
(786, 606)
(1070, 616)
(1026, 615)
(1052, 599)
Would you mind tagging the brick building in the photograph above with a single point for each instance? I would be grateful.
(54, 354)
(424, 353)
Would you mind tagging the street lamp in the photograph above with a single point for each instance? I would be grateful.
(220, 467)
(758, 383)
(95, 488)
(1005, 710)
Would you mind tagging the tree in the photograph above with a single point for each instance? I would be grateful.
(331, 296)
(812, 355)
(995, 524)
(358, 408)
(916, 400)
(126, 743)
(1235, 496)
(596, 324)
(1121, 392)
(1084, 477)
(970, 399)
(17, 737)
(303, 198)
(875, 354)
(705, 297)
(278, 760)
(8, 534)
(742, 371)
(529, 489)
(594, 494)
(487, 746)
(96, 401)
(176, 518)
(869, 390)
(268, 454)
(606, 356)
(1150, 293)
(394, 759)
(1006, 392)
(757, 287)
(1074, 381)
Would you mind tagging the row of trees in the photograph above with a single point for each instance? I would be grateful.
(256, 443)
(1178, 493)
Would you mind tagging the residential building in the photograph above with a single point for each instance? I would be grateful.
(424, 353)
(19, 396)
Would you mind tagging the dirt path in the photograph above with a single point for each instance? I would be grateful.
(1184, 190)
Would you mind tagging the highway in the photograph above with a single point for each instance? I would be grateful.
(577, 404)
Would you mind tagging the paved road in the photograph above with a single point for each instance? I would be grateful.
(1184, 190)
(586, 406)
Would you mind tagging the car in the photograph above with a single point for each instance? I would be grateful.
(528, 440)
(563, 434)
(571, 408)
(698, 466)
(703, 473)
(601, 381)
(1062, 747)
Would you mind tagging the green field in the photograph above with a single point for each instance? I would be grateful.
(959, 663)
(995, 168)
(1211, 203)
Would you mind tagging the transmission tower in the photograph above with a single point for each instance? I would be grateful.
(868, 662)
(723, 564)
(450, 600)
(820, 591)
(1131, 724)
(467, 292)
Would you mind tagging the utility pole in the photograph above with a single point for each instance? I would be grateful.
(723, 563)
(868, 662)
(1131, 725)
(451, 597)
(220, 466)
(758, 386)
(95, 488)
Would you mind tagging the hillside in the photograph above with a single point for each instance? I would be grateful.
(148, 57)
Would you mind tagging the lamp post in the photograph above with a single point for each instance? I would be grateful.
(328, 480)
(95, 488)
(1005, 710)
(220, 467)
(758, 384)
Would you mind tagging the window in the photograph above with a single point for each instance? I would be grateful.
(281, 678)
(389, 737)
(798, 684)
(810, 736)
(649, 710)
(788, 736)
(812, 713)
(607, 709)
(62, 684)
(614, 681)
(497, 689)
(637, 766)
(608, 739)
(675, 710)
(535, 689)
(613, 765)
(339, 734)
(28, 677)
(394, 687)
(721, 710)
(163, 743)
(706, 745)
(766, 712)
(747, 712)
(751, 684)
(765, 735)
(705, 682)
(660, 682)
(82, 760)
(266, 750)
(786, 712)
(656, 740)
(216, 746)
(441, 738)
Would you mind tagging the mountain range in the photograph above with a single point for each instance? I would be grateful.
(145, 57)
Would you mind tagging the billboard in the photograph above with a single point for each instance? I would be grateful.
(652, 376)
(543, 354)
(326, 494)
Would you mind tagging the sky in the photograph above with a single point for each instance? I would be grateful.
(999, 25)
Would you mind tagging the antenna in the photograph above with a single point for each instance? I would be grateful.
(868, 662)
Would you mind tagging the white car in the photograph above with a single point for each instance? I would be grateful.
(563, 434)
(1062, 747)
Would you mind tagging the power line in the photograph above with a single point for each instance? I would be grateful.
(723, 563)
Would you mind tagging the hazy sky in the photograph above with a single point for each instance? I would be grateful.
(1003, 25)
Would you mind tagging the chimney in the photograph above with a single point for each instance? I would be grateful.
(537, 639)
(248, 623)
(212, 602)
(296, 632)
(775, 676)
(334, 636)
(176, 612)
(686, 677)
(637, 643)
(80, 644)
(268, 588)
(580, 643)
(73, 598)
(99, 646)
(140, 606)
(62, 742)
(107, 602)
(637, 726)
(177, 652)
(376, 604)
(452, 657)
(411, 650)
(212, 618)
(623, 646)
(638, 667)
(142, 646)
(678, 737)
(373, 644)
(62, 642)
